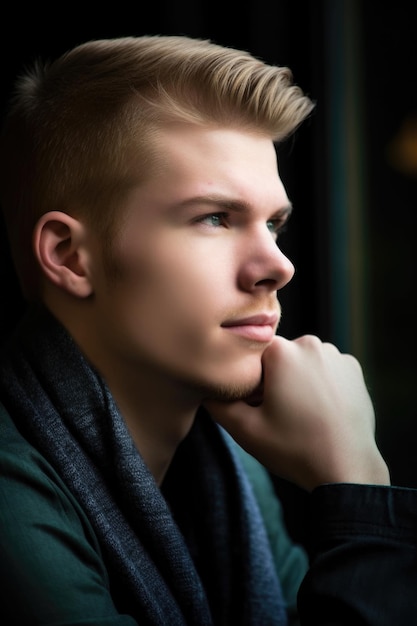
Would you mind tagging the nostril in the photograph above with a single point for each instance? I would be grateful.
(267, 282)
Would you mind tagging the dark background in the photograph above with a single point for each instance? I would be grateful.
(351, 170)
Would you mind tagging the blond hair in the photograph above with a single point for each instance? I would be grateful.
(78, 133)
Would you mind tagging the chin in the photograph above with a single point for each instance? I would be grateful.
(240, 388)
(251, 395)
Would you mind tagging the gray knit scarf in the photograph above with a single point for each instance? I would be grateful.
(192, 553)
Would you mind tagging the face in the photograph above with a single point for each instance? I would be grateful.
(198, 267)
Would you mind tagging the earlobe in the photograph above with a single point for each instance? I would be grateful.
(59, 242)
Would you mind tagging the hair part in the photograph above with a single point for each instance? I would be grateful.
(78, 135)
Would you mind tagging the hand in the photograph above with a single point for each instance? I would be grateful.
(315, 423)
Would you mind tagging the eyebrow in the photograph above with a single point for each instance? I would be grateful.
(237, 206)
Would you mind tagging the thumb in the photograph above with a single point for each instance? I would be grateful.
(237, 417)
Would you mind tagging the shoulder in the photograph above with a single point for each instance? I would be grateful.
(27, 480)
(36, 496)
(48, 549)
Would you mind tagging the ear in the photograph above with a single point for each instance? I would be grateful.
(60, 246)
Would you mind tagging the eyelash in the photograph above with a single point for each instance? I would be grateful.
(277, 226)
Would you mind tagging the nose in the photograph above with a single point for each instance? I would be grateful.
(265, 267)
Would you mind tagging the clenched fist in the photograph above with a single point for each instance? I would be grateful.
(315, 421)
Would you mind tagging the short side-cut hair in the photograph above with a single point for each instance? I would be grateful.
(78, 132)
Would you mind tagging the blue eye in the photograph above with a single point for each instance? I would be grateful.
(213, 219)
(276, 226)
(273, 225)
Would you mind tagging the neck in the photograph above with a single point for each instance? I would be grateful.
(158, 410)
(157, 417)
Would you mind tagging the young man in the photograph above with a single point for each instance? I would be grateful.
(143, 204)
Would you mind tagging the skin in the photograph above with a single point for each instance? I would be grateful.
(191, 316)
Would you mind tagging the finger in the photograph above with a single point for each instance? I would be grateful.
(233, 416)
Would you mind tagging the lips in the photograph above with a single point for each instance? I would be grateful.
(260, 327)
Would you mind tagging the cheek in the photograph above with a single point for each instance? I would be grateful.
(177, 274)
(172, 290)
(165, 289)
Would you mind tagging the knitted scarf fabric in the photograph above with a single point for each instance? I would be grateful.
(194, 553)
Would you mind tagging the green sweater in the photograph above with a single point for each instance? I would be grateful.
(49, 552)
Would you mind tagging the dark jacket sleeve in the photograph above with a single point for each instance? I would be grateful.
(363, 557)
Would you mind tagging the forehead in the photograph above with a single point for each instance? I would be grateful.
(199, 160)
